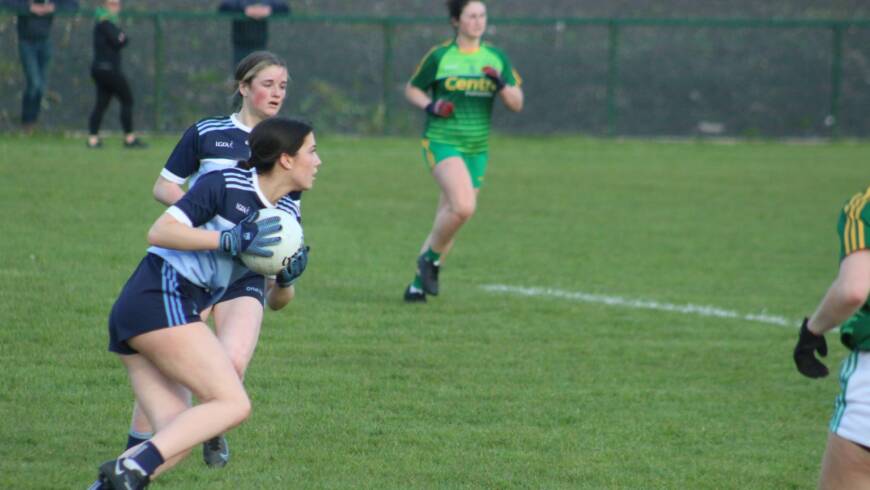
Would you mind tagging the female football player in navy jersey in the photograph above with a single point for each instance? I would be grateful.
(216, 143)
(155, 325)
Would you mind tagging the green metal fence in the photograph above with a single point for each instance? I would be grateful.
(682, 77)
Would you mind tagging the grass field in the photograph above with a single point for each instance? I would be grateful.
(481, 387)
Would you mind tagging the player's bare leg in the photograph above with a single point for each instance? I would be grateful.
(845, 465)
(460, 202)
(140, 426)
(187, 355)
(165, 400)
(210, 376)
(456, 205)
(237, 326)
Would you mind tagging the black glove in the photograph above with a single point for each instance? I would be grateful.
(804, 353)
(288, 275)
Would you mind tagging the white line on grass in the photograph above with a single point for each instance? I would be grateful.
(645, 304)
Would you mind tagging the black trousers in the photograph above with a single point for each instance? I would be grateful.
(111, 83)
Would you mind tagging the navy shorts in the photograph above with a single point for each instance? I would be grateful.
(155, 297)
(251, 284)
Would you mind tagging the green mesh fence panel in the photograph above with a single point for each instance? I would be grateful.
(744, 82)
(644, 77)
(855, 92)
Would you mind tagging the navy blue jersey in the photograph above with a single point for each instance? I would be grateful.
(213, 143)
(218, 202)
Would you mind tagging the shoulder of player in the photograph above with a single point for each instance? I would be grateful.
(291, 203)
(486, 45)
(440, 49)
(215, 123)
(232, 177)
(290, 199)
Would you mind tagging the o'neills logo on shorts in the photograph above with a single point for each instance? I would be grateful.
(242, 208)
(252, 289)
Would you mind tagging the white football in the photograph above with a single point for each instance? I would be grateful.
(291, 240)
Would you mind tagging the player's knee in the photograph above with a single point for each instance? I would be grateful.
(241, 408)
(464, 209)
(233, 408)
(240, 362)
(165, 414)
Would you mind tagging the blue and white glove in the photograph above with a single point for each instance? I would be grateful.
(251, 237)
(288, 275)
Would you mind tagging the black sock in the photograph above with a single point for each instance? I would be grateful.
(147, 457)
(136, 438)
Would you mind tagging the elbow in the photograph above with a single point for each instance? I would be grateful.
(157, 193)
(166, 193)
(518, 103)
(850, 292)
(413, 94)
(513, 99)
(153, 236)
(278, 298)
(855, 295)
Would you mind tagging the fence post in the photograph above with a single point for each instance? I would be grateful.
(158, 70)
(612, 76)
(387, 26)
(836, 76)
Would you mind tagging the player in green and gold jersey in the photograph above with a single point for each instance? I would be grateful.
(846, 463)
(457, 83)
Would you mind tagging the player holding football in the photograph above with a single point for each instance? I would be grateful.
(155, 326)
(846, 463)
(216, 143)
(457, 83)
(211, 144)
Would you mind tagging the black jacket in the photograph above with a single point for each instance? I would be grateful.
(251, 32)
(108, 41)
(37, 27)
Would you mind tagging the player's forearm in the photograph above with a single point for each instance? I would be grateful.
(167, 232)
(417, 97)
(513, 98)
(836, 307)
(278, 297)
(167, 192)
(846, 295)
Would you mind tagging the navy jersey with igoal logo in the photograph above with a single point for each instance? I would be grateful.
(214, 143)
(218, 202)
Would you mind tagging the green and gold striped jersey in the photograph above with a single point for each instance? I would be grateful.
(854, 230)
(455, 75)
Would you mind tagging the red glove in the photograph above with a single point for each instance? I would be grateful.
(494, 76)
(440, 108)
